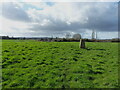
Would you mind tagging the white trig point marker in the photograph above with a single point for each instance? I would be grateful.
(82, 43)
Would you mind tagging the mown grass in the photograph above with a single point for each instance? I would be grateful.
(34, 64)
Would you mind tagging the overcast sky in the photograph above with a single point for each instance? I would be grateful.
(55, 19)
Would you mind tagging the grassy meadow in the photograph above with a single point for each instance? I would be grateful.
(35, 64)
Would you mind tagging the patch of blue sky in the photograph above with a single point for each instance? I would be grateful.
(50, 3)
(27, 6)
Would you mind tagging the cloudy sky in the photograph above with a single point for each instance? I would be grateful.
(46, 19)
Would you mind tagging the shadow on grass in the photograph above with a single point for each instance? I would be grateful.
(95, 49)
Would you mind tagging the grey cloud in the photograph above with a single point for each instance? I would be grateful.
(104, 21)
(14, 12)
(101, 17)
(58, 26)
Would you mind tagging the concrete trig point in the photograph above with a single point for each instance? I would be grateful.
(82, 43)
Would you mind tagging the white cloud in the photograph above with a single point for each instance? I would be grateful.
(14, 28)
(66, 12)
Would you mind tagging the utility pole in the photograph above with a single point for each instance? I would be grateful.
(93, 34)
(96, 35)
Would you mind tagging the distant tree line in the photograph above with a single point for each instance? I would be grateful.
(75, 38)
(7, 37)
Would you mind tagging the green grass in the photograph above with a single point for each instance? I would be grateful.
(34, 64)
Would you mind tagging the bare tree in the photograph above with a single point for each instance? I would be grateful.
(93, 34)
(77, 36)
(96, 35)
(68, 35)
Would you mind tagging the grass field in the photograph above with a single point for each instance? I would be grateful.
(34, 64)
